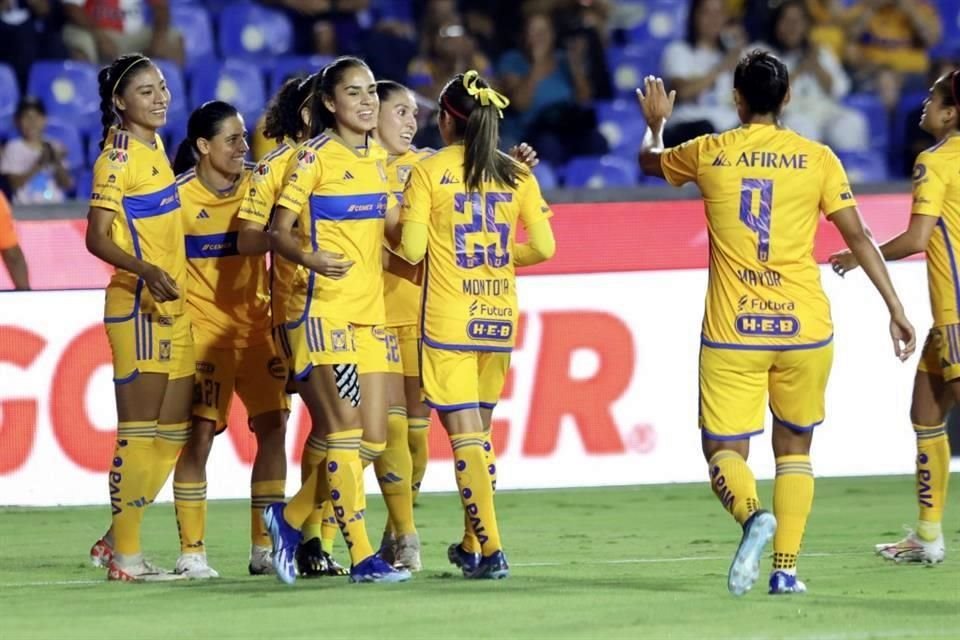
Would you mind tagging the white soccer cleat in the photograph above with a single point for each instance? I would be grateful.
(101, 553)
(193, 566)
(135, 569)
(261, 562)
(745, 568)
(407, 555)
(913, 550)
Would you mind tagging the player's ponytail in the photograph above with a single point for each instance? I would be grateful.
(204, 123)
(113, 80)
(476, 110)
(320, 116)
(283, 116)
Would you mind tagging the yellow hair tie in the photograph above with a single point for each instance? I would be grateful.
(485, 95)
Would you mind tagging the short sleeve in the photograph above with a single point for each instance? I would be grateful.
(681, 164)
(929, 188)
(392, 200)
(533, 208)
(303, 173)
(835, 191)
(416, 197)
(110, 176)
(8, 235)
(259, 199)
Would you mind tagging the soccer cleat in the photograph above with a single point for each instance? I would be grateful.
(913, 549)
(782, 582)
(194, 566)
(745, 568)
(285, 540)
(388, 548)
(311, 560)
(464, 560)
(101, 553)
(492, 567)
(334, 568)
(135, 569)
(261, 563)
(408, 553)
(374, 569)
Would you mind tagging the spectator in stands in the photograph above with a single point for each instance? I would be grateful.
(35, 166)
(326, 27)
(700, 69)
(551, 91)
(817, 82)
(100, 30)
(589, 21)
(30, 30)
(447, 51)
(10, 250)
(888, 42)
(828, 19)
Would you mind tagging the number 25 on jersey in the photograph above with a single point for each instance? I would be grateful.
(482, 216)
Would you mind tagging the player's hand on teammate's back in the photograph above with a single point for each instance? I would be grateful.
(655, 102)
(162, 287)
(524, 153)
(843, 261)
(328, 264)
(904, 336)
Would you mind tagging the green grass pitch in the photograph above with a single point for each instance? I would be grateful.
(637, 562)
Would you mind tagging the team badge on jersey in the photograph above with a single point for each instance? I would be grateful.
(305, 157)
(261, 172)
(165, 351)
(339, 339)
(117, 156)
(403, 172)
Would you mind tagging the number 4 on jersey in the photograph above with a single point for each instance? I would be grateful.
(758, 222)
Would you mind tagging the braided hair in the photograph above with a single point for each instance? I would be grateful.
(113, 80)
(282, 118)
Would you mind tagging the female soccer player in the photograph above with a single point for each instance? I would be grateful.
(287, 122)
(339, 194)
(460, 210)
(767, 322)
(230, 311)
(935, 228)
(134, 224)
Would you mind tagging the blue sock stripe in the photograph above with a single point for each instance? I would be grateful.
(472, 442)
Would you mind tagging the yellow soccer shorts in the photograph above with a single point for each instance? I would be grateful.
(377, 349)
(404, 339)
(454, 380)
(257, 373)
(735, 383)
(151, 343)
(941, 352)
(316, 342)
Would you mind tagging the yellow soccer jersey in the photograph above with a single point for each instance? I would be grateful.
(134, 180)
(763, 190)
(229, 301)
(341, 195)
(257, 206)
(402, 296)
(470, 298)
(936, 192)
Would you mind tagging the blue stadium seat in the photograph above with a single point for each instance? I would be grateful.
(84, 183)
(950, 18)
(898, 127)
(233, 81)
(622, 124)
(93, 148)
(175, 131)
(595, 172)
(546, 176)
(876, 114)
(68, 135)
(663, 21)
(9, 95)
(68, 90)
(283, 68)
(178, 88)
(193, 22)
(864, 166)
(393, 10)
(630, 64)
(252, 31)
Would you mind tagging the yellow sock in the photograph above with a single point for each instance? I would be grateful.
(345, 477)
(329, 528)
(418, 432)
(170, 440)
(490, 456)
(128, 479)
(732, 481)
(263, 493)
(314, 453)
(476, 492)
(933, 476)
(190, 501)
(469, 543)
(792, 501)
(370, 451)
(394, 468)
(304, 503)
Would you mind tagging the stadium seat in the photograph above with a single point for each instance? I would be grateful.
(595, 172)
(283, 68)
(546, 176)
(176, 130)
(68, 90)
(193, 22)
(9, 96)
(876, 114)
(67, 135)
(252, 31)
(950, 18)
(84, 184)
(630, 64)
(621, 123)
(898, 127)
(663, 21)
(864, 166)
(233, 81)
(401, 10)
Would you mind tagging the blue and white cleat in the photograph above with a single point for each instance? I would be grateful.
(463, 560)
(375, 569)
(492, 567)
(285, 541)
(745, 568)
(782, 582)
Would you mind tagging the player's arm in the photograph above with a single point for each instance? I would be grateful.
(415, 215)
(285, 243)
(252, 239)
(535, 217)
(657, 106)
(392, 228)
(398, 266)
(17, 267)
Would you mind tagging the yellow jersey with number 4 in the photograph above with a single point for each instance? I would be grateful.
(936, 192)
(763, 188)
(469, 298)
(134, 180)
(341, 196)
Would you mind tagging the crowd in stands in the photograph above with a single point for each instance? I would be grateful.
(859, 70)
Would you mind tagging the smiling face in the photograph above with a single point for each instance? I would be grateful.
(354, 103)
(939, 115)
(397, 124)
(144, 100)
(226, 151)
